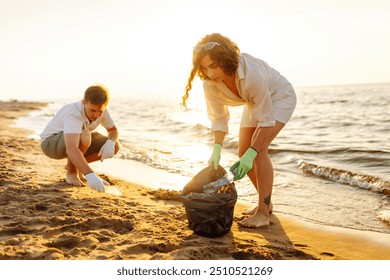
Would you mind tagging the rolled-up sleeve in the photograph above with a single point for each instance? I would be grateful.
(217, 112)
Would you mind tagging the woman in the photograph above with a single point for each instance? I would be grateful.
(231, 78)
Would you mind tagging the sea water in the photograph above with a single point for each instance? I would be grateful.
(331, 161)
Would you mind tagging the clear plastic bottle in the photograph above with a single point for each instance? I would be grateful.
(219, 184)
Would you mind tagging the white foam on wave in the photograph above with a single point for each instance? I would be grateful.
(362, 181)
(384, 216)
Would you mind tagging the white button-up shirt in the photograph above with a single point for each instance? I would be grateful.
(257, 83)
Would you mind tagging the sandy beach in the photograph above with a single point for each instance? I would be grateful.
(43, 218)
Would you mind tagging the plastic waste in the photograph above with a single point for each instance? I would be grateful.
(219, 186)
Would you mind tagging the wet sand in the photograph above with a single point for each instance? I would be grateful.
(43, 218)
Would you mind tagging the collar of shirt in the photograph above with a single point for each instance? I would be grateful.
(240, 75)
(86, 122)
(83, 115)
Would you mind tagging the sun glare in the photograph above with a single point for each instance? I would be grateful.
(146, 47)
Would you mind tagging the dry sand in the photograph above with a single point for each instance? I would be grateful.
(41, 217)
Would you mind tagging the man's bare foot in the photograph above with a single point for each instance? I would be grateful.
(74, 180)
(255, 221)
(82, 177)
(72, 176)
(250, 212)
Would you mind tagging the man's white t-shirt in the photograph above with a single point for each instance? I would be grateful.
(71, 119)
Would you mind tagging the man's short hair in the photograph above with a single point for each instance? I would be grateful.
(97, 95)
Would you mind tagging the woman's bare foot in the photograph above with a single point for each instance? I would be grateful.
(250, 212)
(255, 221)
(74, 180)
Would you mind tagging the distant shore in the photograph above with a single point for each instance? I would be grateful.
(44, 218)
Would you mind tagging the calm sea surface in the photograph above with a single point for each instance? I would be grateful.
(332, 160)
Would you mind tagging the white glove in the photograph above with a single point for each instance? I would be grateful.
(95, 182)
(107, 150)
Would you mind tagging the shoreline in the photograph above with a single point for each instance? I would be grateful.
(162, 179)
(44, 218)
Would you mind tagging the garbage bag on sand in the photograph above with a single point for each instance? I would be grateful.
(209, 200)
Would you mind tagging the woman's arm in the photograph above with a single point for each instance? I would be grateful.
(219, 136)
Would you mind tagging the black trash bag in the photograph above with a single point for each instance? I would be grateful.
(209, 200)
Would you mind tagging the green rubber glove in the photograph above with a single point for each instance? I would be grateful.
(244, 165)
(216, 156)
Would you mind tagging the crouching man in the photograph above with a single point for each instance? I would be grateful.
(70, 134)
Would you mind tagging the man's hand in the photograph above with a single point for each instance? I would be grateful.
(95, 182)
(107, 150)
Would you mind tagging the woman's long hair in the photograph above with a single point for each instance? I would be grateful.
(226, 53)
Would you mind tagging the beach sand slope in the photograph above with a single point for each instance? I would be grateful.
(43, 218)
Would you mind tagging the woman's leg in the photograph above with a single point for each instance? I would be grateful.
(245, 139)
(244, 143)
(263, 176)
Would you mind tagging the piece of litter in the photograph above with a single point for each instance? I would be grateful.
(113, 190)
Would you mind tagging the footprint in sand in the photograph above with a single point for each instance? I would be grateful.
(327, 254)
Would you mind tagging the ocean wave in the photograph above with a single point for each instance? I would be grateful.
(384, 216)
(200, 129)
(372, 183)
(330, 150)
(158, 158)
(150, 160)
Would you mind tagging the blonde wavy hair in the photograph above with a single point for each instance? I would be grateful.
(225, 53)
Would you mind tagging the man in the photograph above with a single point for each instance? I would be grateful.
(69, 135)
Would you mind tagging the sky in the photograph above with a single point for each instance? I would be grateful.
(57, 48)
